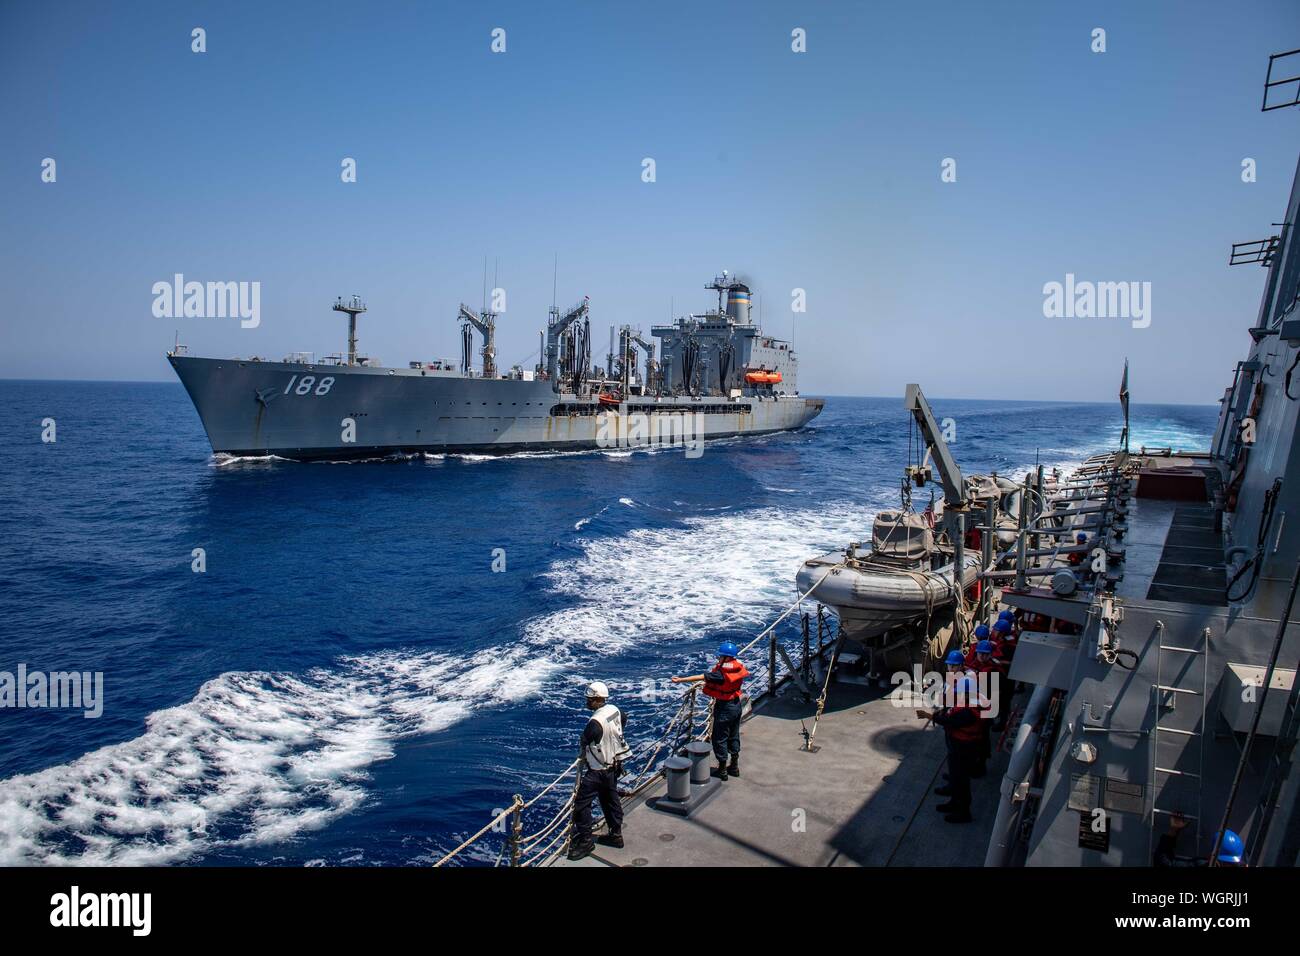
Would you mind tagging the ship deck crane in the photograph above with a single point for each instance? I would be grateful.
(486, 325)
(631, 338)
(554, 331)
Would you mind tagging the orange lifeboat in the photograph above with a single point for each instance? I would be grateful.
(608, 398)
(762, 377)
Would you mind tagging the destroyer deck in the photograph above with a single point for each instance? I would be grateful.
(865, 796)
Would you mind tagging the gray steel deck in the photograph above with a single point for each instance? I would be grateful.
(865, 795)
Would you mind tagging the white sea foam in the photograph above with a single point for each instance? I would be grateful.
(1167, 435)
(223, 460)
(258, 758)
(719, 570)
(254, 758)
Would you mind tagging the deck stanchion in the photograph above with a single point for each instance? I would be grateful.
(1039, 507)
(958, 583)
(986, 553)
(516, 829)
(771, 664)
(1020, 535)
(807, 660)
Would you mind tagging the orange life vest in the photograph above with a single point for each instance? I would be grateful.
(970, 732)
(732, 674)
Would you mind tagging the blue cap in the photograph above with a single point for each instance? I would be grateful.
(728, 649)
(1080, 537)
(954, 657)
(1230, 848)
(1002, 625)
(982, 631)
(1006, 615)
(984, 647)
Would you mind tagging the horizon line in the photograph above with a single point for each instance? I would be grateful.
(959, 398)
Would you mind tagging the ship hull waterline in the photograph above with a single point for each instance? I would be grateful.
(303, 412)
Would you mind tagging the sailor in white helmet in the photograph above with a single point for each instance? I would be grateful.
(601, 764)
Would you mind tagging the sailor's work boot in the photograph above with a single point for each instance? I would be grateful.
(578, 850)
(734, 769)
(722, 771)
(611, 839)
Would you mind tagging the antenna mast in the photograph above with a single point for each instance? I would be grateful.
(353, 307)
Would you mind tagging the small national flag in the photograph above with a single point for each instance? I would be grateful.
(1123, 403)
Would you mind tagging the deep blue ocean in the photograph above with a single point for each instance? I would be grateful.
(349, 682)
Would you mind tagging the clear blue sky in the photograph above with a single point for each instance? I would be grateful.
(818, 171)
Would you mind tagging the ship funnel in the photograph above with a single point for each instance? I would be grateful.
(738, 303)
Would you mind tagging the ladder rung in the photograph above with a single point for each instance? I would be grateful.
(1181, 650)
(1174, 730)
(1170, 813)
(1178, 773)
(1178, 690)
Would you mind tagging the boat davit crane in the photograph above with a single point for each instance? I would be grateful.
(954, 486)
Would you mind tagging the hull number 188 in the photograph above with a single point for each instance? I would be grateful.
(307, 383)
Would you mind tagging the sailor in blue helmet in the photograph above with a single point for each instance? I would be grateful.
(723, 686)
(981, 637)
(1232, 851)
(1004, 640)
(954, 664)
(962, 733)
(1076, 557)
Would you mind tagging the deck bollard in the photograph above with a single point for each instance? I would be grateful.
(698, 752)
(678, 772)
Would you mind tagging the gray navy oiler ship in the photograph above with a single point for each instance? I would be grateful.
(716, 375)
